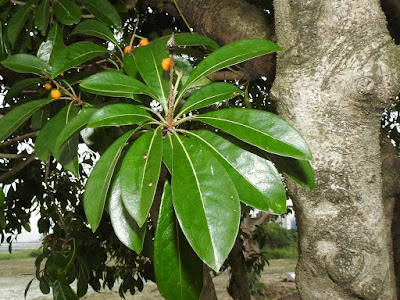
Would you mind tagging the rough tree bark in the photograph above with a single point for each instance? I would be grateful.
(339, 70)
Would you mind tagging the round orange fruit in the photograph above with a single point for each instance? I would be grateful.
(128, 49)
(48, 86)
(166, 64)
(144, 42)
(55, 94)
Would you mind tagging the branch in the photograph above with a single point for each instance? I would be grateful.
(18, 168)
(19, 138)
(13, 156)
(225, 75)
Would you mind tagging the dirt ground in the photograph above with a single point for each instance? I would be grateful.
(15, 275)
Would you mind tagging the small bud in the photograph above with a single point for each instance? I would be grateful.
(171, 44)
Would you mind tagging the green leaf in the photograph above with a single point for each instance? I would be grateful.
(104, 11)
(26, 63)
(74, 55)
(229, 55)
(62, 291)
(3, 47)
(44, 285)
(21, 86)
(256, 179)
(98, 183)
(67, 154)
(67, 12)
(42, 16)
(17, 22)
(39, 118)
(83, 281)
(262, 129)
(178, 270)
(205, 200)
(167, 152)
(52, 45)
(210, 94)
(140, 171)
(114, 84)
(27, 288)
(95, 28)
(192, 39)
(125, 227)
(130, 67)
(2, 197)
(299, 170)
(73, 126)
(148, 61)
(119, 114)
(15, 118)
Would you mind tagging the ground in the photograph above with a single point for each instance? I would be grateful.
(16, 273)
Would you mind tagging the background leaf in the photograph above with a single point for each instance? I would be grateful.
(262, 129)
(256, 179)
(62, 291)
(17, 22)
(21, 86)
(140, 171)
(205, 200)
(42, 16)
(26, 63)
(95, 28)
(98, 183)
(74, 55)
(125, 227)
(119, 114)
(15, 118)
(179, 272)
(67, 12)
(52, 45)
(104, 11)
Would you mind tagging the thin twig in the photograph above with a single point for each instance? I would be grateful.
(13, 156)
(19, 138)
(17, 168)
(182, 16)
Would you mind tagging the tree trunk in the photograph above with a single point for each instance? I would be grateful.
(334, 78)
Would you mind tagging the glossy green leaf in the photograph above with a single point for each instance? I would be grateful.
(205, 200)
(17, 22)
(229, 55)
(42, 16)
(299, 170)
(210, 94)
(148, 61)
(140, 171)
(114, 84)
(125, 227)
(3, 47)
(119, 114)
(256, 179)
(73, 126)
(40, 117)
(62, 291)
(95, 28)
(52, 45)
(67, 154)
(130, 67)
(167, 152)
(44, 285)
(21, 86)
(98, 183)
(262, 129)
(15, 118)
(104, 11)
(74, 55)
(67, 12)
(178, 270)
(190, 39)
(26, 63)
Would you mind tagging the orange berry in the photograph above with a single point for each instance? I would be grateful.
(128, 49)
(62, 74)
(166, 64)
(55, 94)
(144, 42)
(48, 86)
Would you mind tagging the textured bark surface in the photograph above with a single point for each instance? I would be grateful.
(333, 80)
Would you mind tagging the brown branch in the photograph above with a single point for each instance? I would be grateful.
(18, 168)
(13, 156)
(19, 138)
(225, 75)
